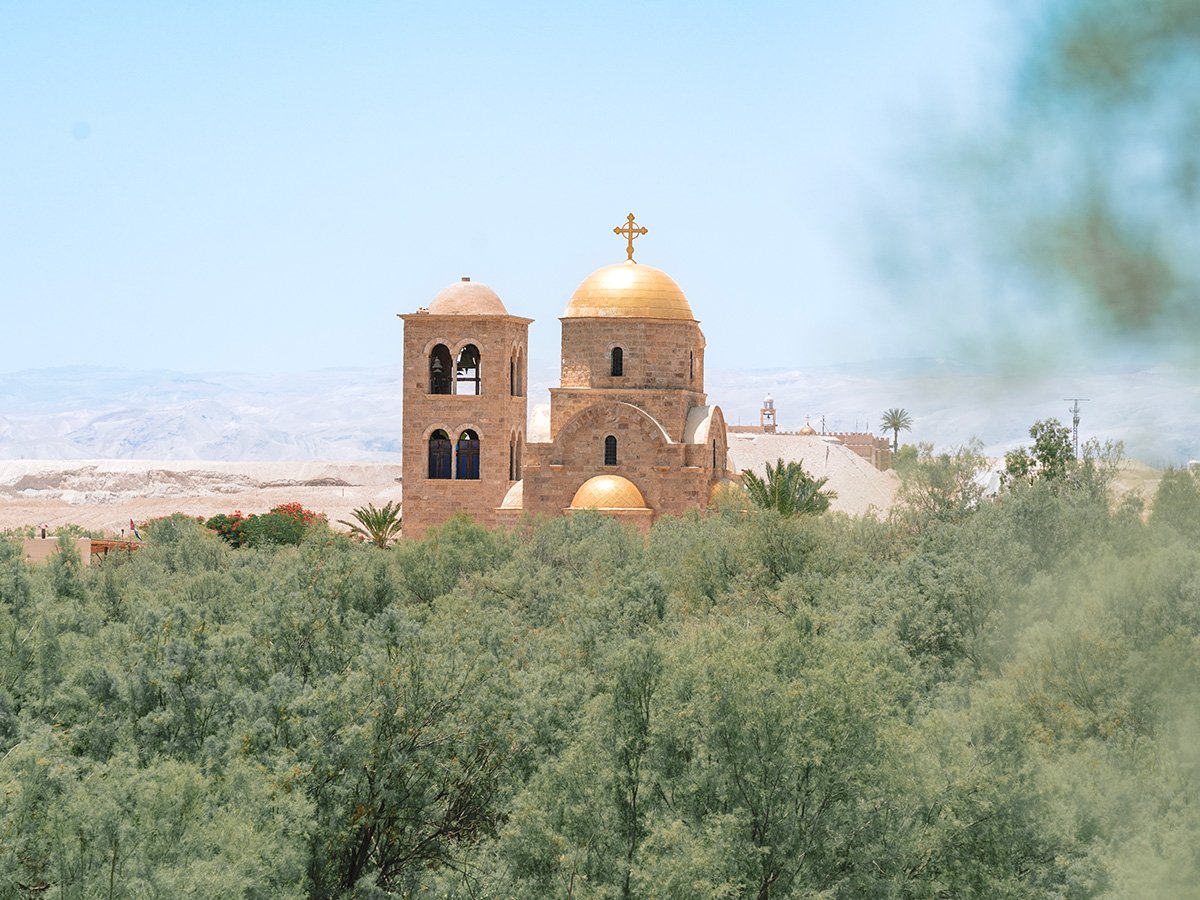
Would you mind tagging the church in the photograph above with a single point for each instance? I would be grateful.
(631, 431)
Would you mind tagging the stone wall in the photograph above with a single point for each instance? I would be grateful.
(669, 407)
(657, 353)
(877, 450)
(674, 478)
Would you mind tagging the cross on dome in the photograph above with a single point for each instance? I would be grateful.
(630, 231)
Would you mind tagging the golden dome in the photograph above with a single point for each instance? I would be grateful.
(629, 290)
(515, 498)
(608, 492)
(808, 429)
(467, 298)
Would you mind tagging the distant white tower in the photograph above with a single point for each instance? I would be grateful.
(766, 415)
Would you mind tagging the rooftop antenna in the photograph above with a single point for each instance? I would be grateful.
(1075, 401)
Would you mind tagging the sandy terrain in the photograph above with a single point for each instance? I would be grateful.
(106, 494)
(859, 485)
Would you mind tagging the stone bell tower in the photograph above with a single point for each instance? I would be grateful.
(465, 384)
(766, 416)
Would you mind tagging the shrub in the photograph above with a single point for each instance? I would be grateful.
(284, 524)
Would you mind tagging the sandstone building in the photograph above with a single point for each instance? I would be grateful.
(631, 431)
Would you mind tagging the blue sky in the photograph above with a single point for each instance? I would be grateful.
(262, 186)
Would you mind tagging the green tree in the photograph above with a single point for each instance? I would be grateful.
(941, 485)
(1177, 502)
(896, 420)
(379, 526)
(1050, 457)
(788, 489)
(1051, 461)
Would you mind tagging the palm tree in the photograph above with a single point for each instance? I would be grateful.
(788, 490)
(896, 420)
(378, 526)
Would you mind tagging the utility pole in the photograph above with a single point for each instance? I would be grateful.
(1075, 401)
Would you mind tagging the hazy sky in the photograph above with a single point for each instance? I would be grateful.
(257, 186)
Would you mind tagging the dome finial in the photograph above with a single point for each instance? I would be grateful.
(630, 231)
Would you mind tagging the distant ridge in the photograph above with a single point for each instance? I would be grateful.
(353, 414)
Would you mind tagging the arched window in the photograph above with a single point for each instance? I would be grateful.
(618, 361)
(468, 377)
(512, 375)
(610, 451)
(439, 454)
(512, 458)
(714, 454)
(467, 455)
(439, 370)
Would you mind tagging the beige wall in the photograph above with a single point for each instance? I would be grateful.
(41, 549)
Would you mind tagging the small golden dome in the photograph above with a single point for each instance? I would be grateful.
(608, 492)
(629, 290)
(515, 498)
(808, 429)
(467, 298)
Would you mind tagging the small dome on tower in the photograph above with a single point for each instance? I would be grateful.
(608, 492)
(467, 298)
(629, 289)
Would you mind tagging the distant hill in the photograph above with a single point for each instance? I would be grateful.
(355, 415)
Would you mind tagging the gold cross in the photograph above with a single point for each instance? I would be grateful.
(631, 230)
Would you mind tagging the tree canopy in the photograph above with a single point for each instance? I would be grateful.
(969, 699)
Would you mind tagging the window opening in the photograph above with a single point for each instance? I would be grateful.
(439, 370)
(467, 455)
(439, 454)
(610, 451)
(618, 361)
(468, 376)
(691, 366)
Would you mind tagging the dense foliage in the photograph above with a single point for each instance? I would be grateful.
(990, 699)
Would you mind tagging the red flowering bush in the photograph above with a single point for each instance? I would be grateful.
(228, 528)
(299, 513)
(284, 524)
